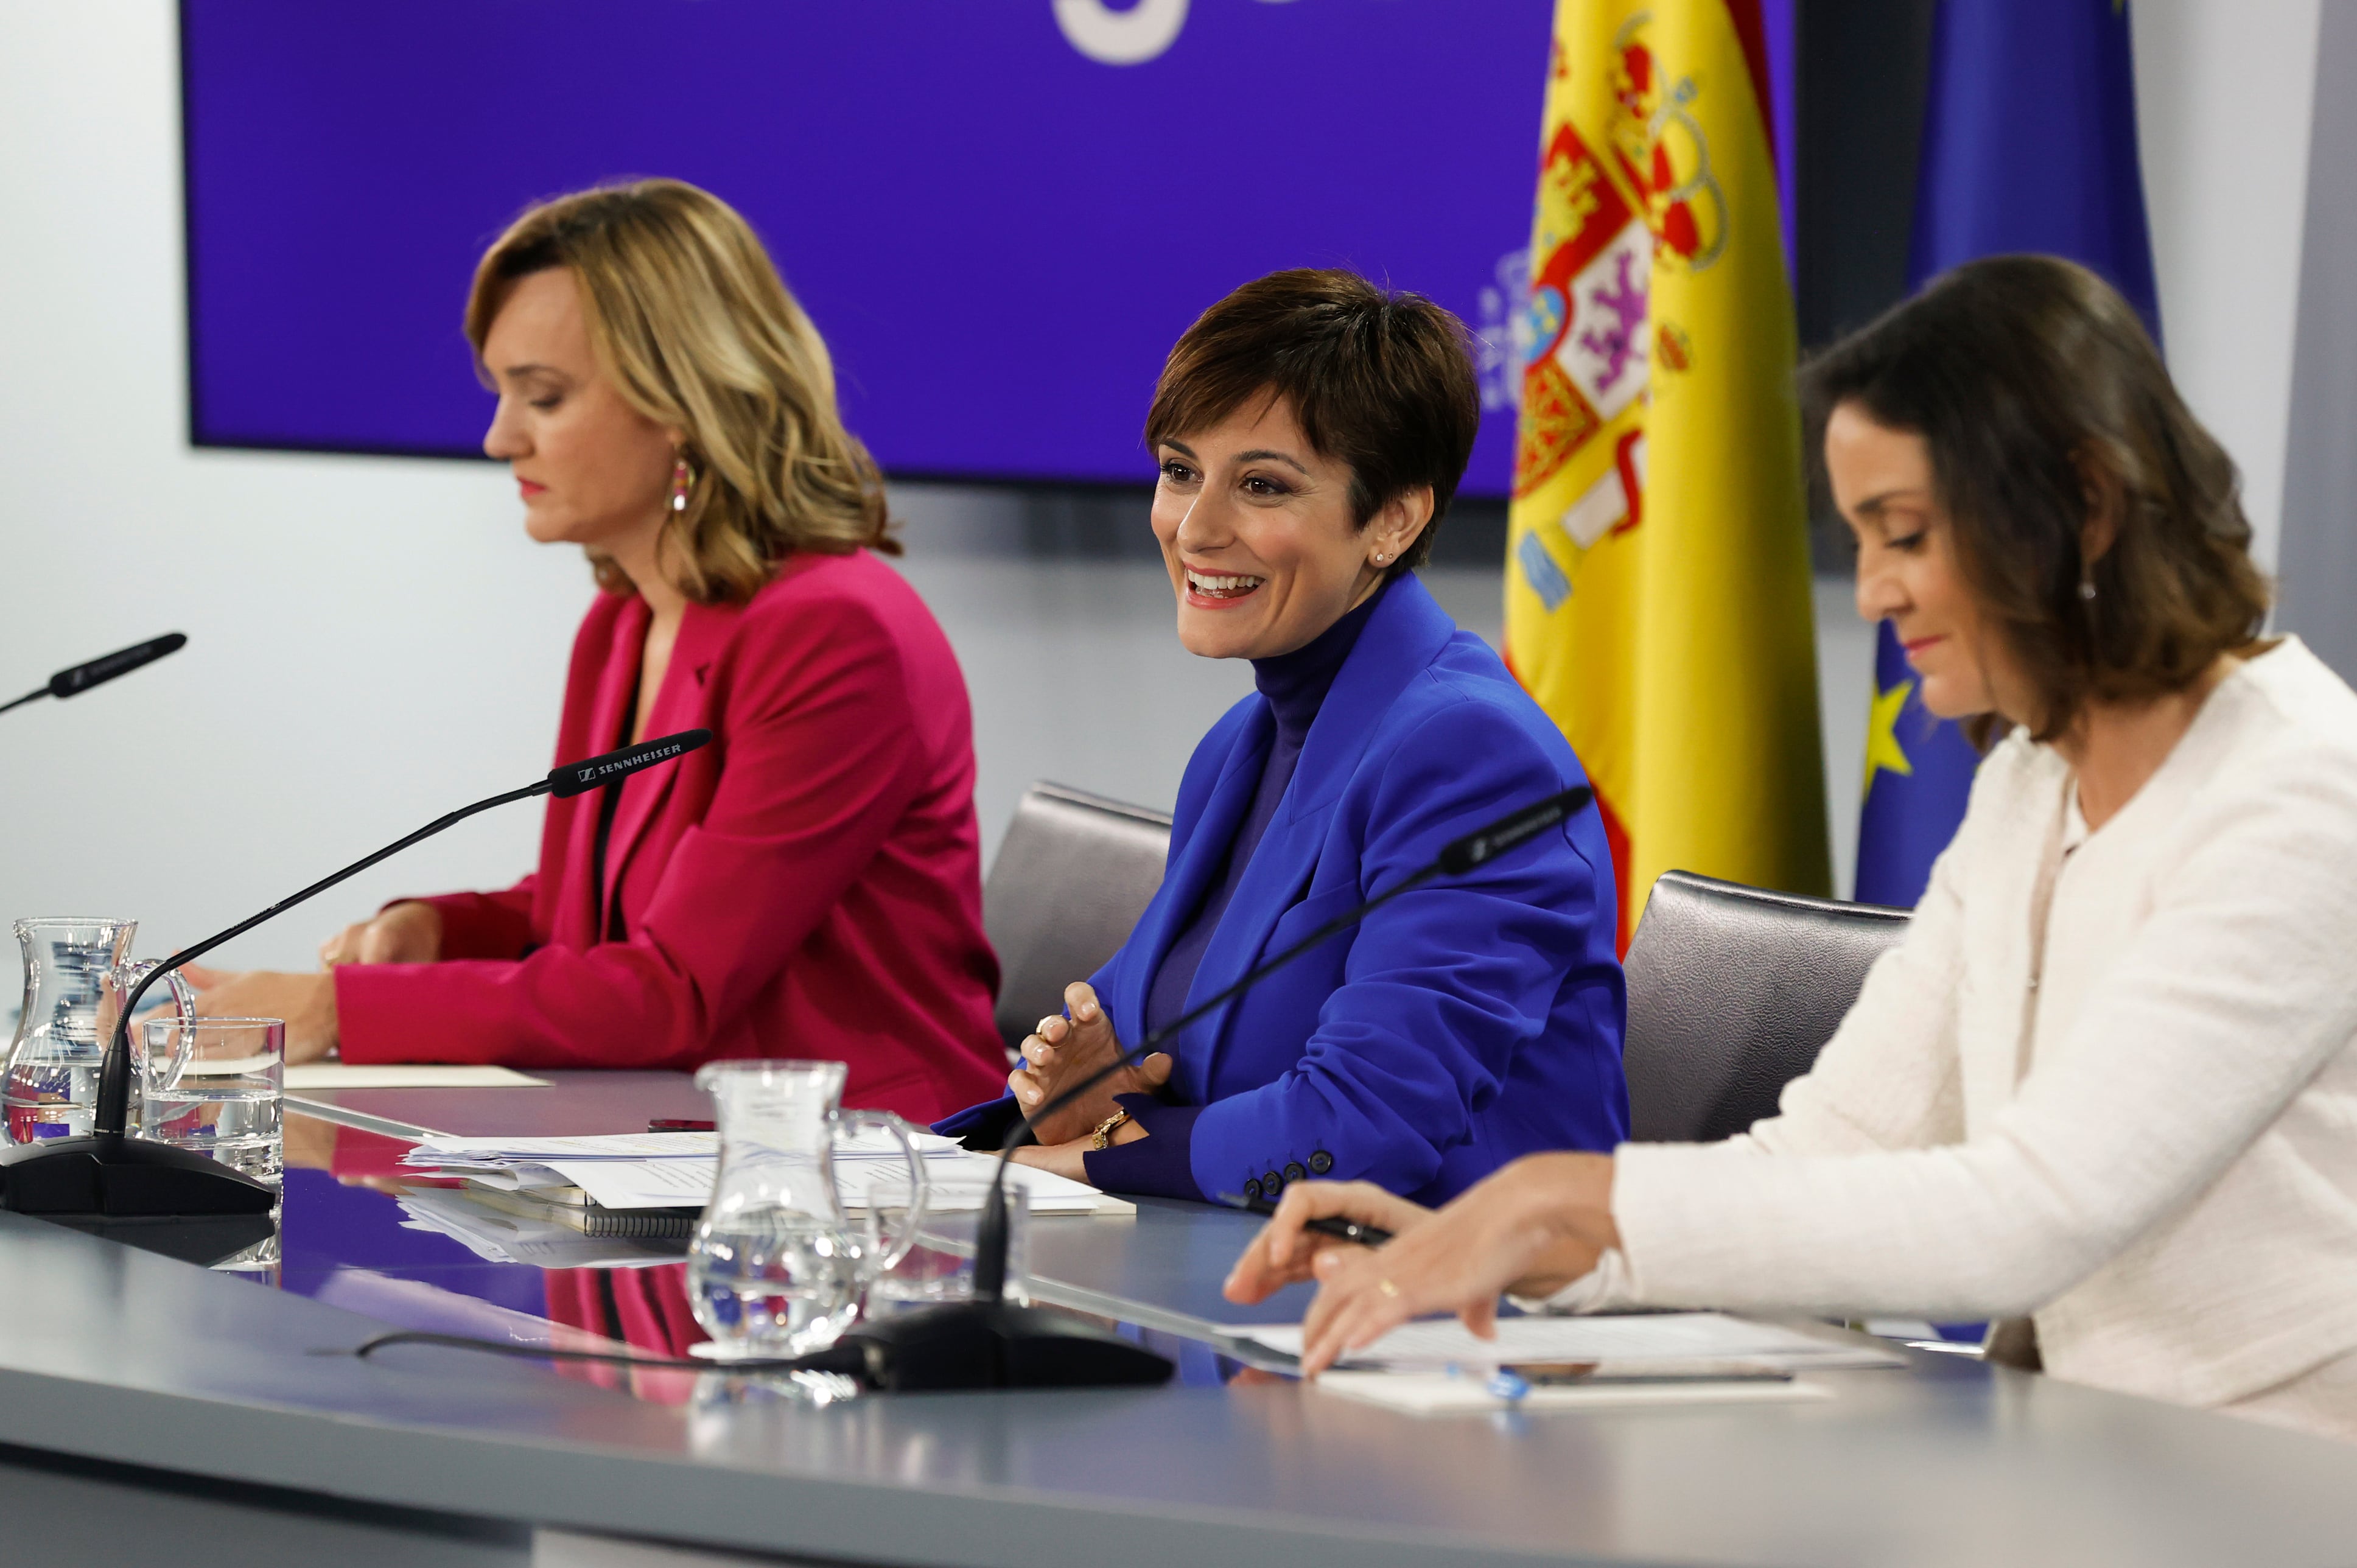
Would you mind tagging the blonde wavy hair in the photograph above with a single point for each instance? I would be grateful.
(688, 315)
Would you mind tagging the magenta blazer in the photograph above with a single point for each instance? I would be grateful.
(809, 884)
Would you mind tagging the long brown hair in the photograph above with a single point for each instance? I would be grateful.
(688, 315)
(2042, 399)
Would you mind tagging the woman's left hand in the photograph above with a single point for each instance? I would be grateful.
(1070, 1159)
(1065, 1159)
(306, 1002)
(1532, 1228)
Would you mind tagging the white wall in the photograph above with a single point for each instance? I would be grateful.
(2224, 91)
(2317, 561)
(371, 642)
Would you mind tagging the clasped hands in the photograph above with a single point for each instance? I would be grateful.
(1064, 1050)
(403, 933)
(1529, 1229)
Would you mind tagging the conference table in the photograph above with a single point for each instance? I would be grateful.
(152, 1409)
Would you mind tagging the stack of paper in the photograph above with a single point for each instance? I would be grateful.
(677, 1170)
(1437, 1367)
(516, 1239)
(1658, 1344)
(1444, 1393)
(311, 1077)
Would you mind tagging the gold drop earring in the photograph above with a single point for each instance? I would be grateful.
(683, 480)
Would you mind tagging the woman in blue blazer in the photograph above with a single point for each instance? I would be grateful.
(1311, 431)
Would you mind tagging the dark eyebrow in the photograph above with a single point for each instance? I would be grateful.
(1274, 456)
(1874, 504)
(1178, 447)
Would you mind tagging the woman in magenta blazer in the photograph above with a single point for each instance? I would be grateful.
(810, 884)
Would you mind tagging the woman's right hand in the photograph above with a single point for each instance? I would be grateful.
(1064, 1051)
(1529, 1228)
(1286, 1250)
(403, 933)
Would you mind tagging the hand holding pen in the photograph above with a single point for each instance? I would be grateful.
(1332, 1225)
(1312, 1219)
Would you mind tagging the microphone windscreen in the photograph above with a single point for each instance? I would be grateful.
(577, 778)
(1485, 844)
(73, 683)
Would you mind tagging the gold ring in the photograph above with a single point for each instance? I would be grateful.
(1388, 1287)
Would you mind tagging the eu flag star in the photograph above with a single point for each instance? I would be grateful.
(1882, 748)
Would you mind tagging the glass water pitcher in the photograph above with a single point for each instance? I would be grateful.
(77, 974)
(775, 1269)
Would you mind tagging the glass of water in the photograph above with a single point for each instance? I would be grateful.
(939, 1265)
(223, 1100)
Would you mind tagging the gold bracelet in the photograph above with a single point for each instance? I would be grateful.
(1103, 1137)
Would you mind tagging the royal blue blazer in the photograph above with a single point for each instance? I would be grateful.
(1463, 1025)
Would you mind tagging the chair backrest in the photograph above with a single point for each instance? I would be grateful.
(1732, 993)
(1073, 874)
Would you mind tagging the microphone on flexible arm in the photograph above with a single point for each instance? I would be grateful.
(108, 1174)
(989, 1342)
(80, 677)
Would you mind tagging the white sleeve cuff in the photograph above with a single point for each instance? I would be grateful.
(1600, 1288)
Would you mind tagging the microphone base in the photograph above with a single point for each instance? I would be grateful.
(203, 1240)
(112, 1176)
(999, 1344)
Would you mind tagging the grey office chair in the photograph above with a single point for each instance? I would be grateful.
(1073, 874)
(1732, 991)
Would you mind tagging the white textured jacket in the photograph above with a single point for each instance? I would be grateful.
(2150, 1141)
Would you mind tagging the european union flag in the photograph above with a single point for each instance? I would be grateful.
(1919, 771)
(2029, 144)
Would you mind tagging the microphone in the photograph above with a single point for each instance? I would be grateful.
(1477, 849)
(990, 1343)
(73, 683)
(108, 1174)
(580, 778)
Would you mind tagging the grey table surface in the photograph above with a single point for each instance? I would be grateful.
(572, 1104)
(112, 1354)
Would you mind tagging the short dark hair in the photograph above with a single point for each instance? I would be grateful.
(2033, 382)
(1380, 381)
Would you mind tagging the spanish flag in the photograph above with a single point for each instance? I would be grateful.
(1657, 586)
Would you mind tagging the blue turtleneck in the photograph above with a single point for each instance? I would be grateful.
(1296, 684)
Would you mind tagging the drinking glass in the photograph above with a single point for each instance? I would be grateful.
(214, 1085)
(939, 1265)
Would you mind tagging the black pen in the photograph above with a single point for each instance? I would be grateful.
(1342, 1229)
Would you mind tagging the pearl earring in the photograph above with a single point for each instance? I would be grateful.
(2087, 588)
(1380, 557)
(683, 480)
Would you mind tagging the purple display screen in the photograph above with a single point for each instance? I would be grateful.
(1000, 212)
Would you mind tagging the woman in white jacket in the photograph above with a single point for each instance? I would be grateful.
(2104, 1087)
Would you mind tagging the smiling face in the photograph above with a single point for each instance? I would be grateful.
(1907, 573)
(1255, 528)
(592, 470)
